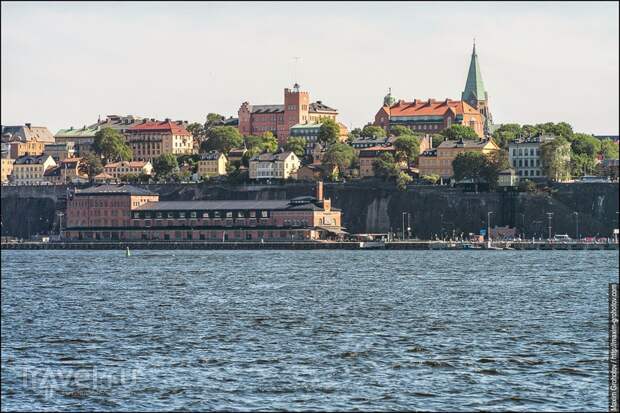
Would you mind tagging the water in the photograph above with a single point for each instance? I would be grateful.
(311, 330)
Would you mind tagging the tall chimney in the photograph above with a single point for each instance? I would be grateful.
(28, 125)
(319, 190)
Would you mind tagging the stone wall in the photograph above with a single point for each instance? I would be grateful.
(370, 207)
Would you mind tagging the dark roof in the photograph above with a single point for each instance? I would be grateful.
(27, 159)
(318, 106)
(114, 189)
(53, 171)
(271, 157)
(226, 205)
(267, 108)
(464, 143)
(210, 156)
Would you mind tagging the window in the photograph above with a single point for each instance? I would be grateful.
(192, 214)
(181, 214)
(170, 215)
(205, 215)
(264, 214)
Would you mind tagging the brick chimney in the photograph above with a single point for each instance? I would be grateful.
(319, 190)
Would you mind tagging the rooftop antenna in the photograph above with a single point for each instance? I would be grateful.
(296, 59)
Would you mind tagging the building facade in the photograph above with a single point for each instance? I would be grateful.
(150, 139)
(118, 169)
(82, 139)
(309, 132)
(6, 169)
(525, 156)
(128, 213)
(31, 148)
(368, 156)
(430, 116)
(438, 161)
(281, 165)
(60, 151)
(30, 170)
(211, 164)
(278, 119)
(26, 133)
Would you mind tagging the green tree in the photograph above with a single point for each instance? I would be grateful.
(530, 131)
(296, 145)
(432, 178)
(165, 165)
(398, 130)
(91, 165)
(222, 139)
(495, 163)
(355, 133)
(555, 156)
(582, 164)
(456, 132)
(402, 180)
(469, 165)
(526, 185)
(386, 166)
(437, 139)
(110, 144)
(506, 133)
(583, 144)
(340, 155)
(407, 148)
(213, 120)
(609, 149)
(329, 132)
(370, 131)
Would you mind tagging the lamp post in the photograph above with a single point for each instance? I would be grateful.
(549, 217)
(403, 227)
(408, 225)
(523, 225)
(576, 225)
(489, 225)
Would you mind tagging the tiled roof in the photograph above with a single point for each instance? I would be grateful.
(210, 156)
(374, 151)
(164, 126)
(266, 108)
(430, 107)
(114, 189)
(29, 133)
(318, 106)
(130, 164)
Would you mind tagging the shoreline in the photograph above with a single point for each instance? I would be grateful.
(406, 245)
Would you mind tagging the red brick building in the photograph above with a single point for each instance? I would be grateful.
(278, 119)
(128, 213)
(430, 116)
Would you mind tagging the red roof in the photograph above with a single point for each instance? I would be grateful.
(164, 126)
(430, 107)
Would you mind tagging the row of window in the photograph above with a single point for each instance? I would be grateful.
(527, 172)
(203, 214)
(525, 162)
(525, 152)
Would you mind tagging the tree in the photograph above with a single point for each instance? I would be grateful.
(402, 180)
(110, 144)
(329, 132)
(370, 131)
(355, 133)
(456, 132)
(609, 149)
(555, 156)
(339, 155)
(296, 145)
(506, 133)
(91, 165)
(437, 139)
(222, 139)
(165, 165)
(407, 148)
(259, 144)
(527, 186)
(197, 130)
(495, 163)
(386, 166)
(582, 164)
(469, 165)
(432, 178)
(583, 144)
(214, 119)
(398, 130)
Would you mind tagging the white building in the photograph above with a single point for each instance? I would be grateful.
(525, 156)
(282, 165)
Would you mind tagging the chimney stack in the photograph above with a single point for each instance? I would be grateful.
(28, 125)
(319, 190)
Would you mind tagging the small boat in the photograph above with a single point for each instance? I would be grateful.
(372, 244)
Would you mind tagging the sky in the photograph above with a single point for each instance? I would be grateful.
(66, 64)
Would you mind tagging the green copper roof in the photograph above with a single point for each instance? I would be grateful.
(81, 132)
(389, 100)
(474, 88)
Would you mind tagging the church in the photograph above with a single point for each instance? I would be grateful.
(433, 116)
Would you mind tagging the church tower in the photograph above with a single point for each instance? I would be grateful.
(474, 92)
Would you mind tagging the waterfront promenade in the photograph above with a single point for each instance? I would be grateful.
(310, 245)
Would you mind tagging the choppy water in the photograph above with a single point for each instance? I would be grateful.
(311, 330)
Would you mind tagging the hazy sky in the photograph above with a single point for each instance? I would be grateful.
(64, 64)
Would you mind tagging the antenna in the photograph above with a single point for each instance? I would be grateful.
(296, 59)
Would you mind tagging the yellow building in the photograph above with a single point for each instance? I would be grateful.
(212, 164)
(31, 148)
(30, 170)
(118, 169)
(368, 156)
(439, 161)
(282, 165)
(6, 170)
(150, 139)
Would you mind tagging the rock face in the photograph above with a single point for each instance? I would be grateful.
(370, 207)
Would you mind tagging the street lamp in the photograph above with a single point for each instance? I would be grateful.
(489, 225)
(549, 217)
(403, 227)
(523, 235)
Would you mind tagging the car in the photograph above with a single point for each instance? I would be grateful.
(561, 237)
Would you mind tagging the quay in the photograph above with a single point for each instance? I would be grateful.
(304, 245)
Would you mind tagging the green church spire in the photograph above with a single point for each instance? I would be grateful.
(474, 87)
